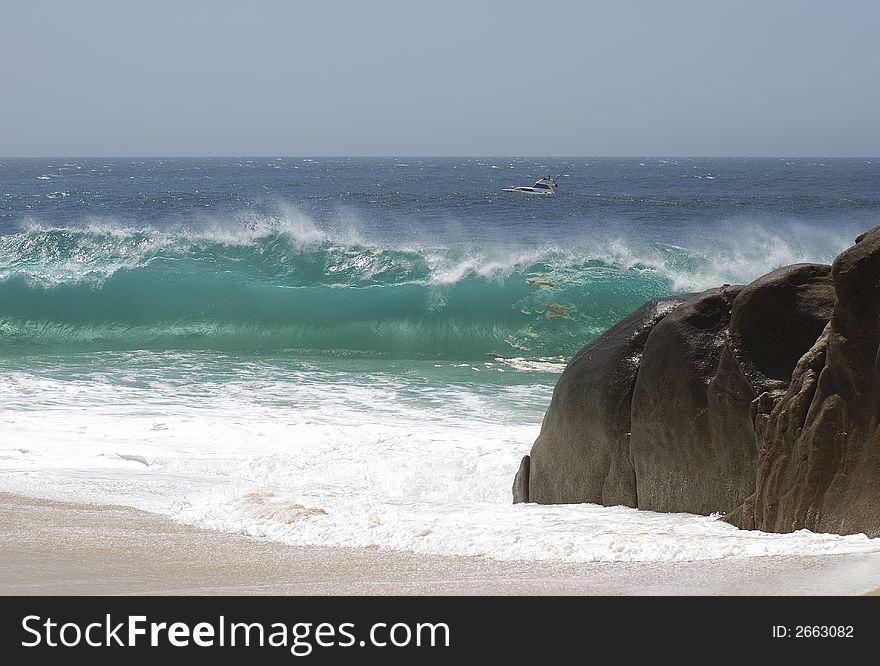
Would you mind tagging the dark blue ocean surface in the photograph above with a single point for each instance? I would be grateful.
(394, 257)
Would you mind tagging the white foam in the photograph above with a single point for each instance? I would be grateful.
(448, 268)
(554, 365)
(746, 250)
(752, 251)
(332, 453)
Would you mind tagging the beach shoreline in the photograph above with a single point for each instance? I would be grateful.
(58, 548)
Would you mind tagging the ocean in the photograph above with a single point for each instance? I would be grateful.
(358, 351)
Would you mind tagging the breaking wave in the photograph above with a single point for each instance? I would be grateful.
(281, 288)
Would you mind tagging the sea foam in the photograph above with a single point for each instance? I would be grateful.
(348, 453)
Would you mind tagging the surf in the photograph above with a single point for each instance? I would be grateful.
(85, 289)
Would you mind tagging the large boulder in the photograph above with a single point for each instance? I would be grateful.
(668, 410)
(673, 452)
(583, 453)
(819, 466)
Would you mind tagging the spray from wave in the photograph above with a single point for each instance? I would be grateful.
(281, 283)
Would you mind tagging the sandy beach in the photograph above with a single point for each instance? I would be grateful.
(49, 547)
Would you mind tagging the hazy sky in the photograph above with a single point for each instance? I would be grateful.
(382, 77)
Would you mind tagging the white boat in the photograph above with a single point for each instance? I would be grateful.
(545, 185)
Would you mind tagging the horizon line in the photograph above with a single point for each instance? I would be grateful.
(434, 157)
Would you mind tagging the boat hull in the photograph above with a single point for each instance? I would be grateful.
(527, 190)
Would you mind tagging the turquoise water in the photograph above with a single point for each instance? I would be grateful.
(72, 289)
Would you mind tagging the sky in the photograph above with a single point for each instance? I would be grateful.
(387, 77)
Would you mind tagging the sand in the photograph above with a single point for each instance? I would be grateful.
(49, 547)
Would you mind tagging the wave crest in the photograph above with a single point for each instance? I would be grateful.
(292, 286)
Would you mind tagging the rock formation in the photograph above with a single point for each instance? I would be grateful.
(819, 465)
(761, 402)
